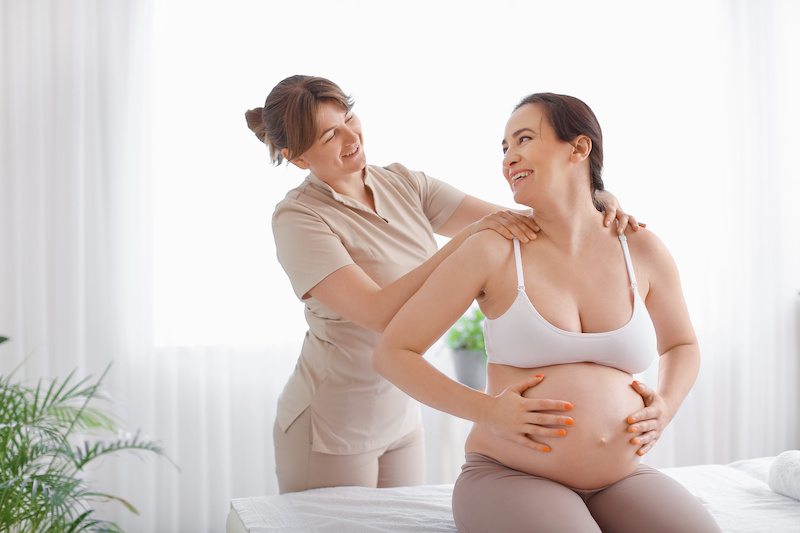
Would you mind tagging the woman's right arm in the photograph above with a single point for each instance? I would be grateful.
(444, 297)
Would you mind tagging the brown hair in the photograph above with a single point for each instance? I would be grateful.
(289, 116)
(571, 117)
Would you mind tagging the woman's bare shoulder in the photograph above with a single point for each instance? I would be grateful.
(646, 243)
(489, 245)
(651, 256)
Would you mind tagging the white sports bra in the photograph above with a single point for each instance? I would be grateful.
(521, 337)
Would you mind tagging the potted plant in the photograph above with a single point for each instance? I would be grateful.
(465, 340)
(44, 449)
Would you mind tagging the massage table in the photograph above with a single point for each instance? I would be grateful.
(737, 496)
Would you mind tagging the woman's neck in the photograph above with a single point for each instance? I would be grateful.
(570, 225)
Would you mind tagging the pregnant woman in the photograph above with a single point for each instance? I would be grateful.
(571, 316)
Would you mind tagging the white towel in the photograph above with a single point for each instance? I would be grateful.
(784, 474)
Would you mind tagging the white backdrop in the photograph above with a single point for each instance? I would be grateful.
(135, 205)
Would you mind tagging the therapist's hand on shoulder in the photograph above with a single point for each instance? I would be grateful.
(509, 224)
(613, 210)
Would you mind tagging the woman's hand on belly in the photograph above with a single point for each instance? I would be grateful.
(519, 419)
(646, 425)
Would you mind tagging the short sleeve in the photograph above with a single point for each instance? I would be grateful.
(439, 199)
(307, 248)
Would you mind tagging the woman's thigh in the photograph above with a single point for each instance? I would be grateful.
(490, 497)
(651, 501)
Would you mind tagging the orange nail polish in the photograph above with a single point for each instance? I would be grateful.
(636, 441)
(631, 420)
(569, 422)
(633, 429)
(561, 432)
(546, 449)
(568, 406)
(539, 376)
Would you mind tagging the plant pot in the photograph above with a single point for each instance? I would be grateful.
(470, 368)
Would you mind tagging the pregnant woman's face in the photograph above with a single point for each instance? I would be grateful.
(534, 157)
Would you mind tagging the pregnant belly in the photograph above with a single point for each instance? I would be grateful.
(596, 451)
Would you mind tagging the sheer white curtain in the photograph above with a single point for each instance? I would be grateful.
(75, 201)
(135, 204)
(74, 195)
(740, 260)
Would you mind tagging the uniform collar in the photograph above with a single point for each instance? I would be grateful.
(369, 181)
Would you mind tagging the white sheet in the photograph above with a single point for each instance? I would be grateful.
(349, 509)
(737, 495)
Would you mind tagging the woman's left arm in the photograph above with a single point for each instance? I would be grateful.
(679, 361)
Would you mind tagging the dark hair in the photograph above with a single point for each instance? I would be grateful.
(289, 116)
(571, 117)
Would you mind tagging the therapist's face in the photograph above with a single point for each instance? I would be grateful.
(338, 150)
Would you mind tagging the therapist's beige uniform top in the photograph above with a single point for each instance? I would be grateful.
(318, 231)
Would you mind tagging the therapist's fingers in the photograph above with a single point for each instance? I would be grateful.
(511, 225)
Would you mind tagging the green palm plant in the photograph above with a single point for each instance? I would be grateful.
(42, 485)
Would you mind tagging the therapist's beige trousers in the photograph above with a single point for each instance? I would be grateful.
(400, 464)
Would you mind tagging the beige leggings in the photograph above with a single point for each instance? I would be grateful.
(401, 463)
(490, 497)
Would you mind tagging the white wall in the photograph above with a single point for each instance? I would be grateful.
(434, 83)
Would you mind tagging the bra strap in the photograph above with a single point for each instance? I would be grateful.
(624, 241)
(517, 256)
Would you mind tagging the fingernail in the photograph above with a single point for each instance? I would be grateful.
(561, 432)
(636, 441)
(640, 453)
(539, 376)
(633, 429)
(631, 420)
(569, 422)
(546, 449)
(568, 406)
